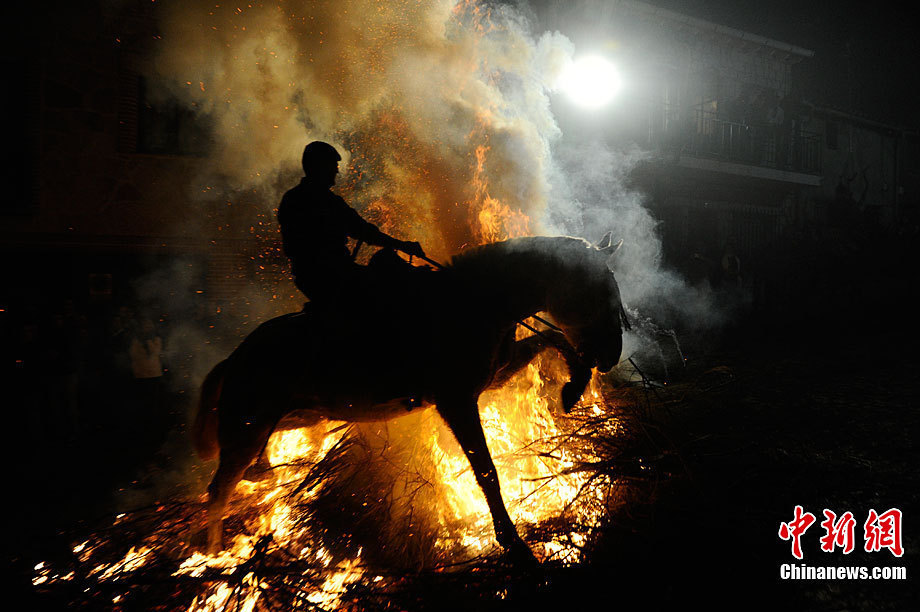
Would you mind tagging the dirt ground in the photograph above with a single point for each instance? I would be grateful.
(751, 432)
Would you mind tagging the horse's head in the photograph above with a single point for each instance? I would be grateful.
(588, 308)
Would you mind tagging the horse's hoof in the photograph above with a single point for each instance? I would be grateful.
(520, 555)
(571, 393)
(258, 472)
(215, 540)
(215, 549)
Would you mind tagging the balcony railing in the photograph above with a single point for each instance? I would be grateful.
(705, 134)
(760, 144)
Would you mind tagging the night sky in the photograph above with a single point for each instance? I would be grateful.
(865, 53)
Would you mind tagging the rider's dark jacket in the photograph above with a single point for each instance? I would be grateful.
(315, 226)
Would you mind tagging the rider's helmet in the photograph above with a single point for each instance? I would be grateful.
(318, 154)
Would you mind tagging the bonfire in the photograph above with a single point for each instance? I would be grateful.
(356, 515)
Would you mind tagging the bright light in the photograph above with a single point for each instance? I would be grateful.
(590, 81)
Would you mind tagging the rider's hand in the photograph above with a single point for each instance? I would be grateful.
(412, 248)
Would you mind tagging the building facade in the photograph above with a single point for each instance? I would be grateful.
(102, 181)
(736, 156)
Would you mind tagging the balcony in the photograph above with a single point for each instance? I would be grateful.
(758, 144)
(704, 140)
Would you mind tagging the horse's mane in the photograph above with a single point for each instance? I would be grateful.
(550, 246)
(517, 256)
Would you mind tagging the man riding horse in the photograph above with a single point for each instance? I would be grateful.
(315, 225)
(296, 367)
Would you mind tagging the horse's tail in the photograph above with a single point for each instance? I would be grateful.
(204, 431)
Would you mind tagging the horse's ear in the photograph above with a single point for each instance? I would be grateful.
(611, 249)
(604, 242)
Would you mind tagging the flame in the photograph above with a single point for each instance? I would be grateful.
(287, 452)
(497, 221)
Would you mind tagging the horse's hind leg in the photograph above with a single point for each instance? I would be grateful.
(463, 419)
(234, 459)
(262, 467)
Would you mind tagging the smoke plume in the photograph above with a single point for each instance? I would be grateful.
(440, 109)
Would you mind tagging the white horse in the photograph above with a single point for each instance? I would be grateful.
(444, 353)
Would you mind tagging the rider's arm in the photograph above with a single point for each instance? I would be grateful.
(357, 227)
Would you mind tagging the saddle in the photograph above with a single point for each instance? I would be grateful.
(376, 306)
(383, 290)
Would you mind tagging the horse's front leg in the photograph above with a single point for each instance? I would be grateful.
(462, 416)
(579, 371)
(515, 355)
(522, 352)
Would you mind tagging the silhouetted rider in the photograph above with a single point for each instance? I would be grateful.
(315, 226)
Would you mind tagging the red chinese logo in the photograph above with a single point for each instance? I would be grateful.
(795, 528)
(884, 531)
(881, 531)
(838, 533)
